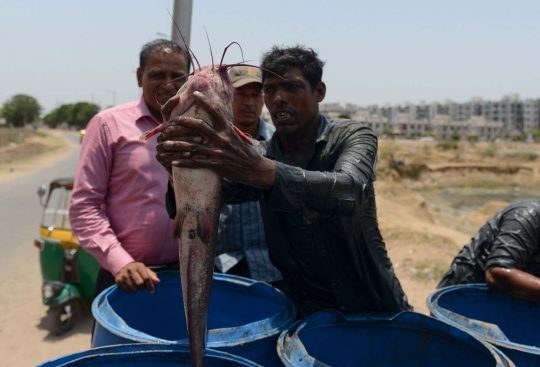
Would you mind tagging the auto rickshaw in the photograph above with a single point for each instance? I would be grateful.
(69, 273)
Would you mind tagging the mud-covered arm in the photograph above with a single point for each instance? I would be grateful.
(515, 244)
(337, 192)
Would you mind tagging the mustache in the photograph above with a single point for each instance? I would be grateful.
(250, 110)
(166, 95)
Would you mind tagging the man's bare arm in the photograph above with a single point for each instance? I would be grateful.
(514, 283)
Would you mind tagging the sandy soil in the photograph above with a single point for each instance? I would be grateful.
(425, 220)
(37, 152)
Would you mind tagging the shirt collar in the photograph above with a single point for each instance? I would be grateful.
(265, 131)
(144, 111)
(323, 132)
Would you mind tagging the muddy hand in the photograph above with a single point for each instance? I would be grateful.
(221, 150)
(165, 153)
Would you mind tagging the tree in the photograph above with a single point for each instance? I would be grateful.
(57, 116)
(80, 113)
(20, 110)
(344, 116)
(76, 115)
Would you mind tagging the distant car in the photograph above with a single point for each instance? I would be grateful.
(427, 138)
(81, 133)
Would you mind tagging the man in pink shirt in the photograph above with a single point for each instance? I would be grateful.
(117, 210)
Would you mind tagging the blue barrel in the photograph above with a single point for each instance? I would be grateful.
(512, 325)
(329, 338)
(245, 317)
(142, 355)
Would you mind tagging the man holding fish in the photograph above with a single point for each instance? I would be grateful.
(314, 183)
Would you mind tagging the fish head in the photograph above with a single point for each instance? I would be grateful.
(214, 83)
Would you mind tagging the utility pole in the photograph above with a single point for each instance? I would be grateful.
(113, 92)
(182, 16)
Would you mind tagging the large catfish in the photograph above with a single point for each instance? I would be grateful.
(197, 193)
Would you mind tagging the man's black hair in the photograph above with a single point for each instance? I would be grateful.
(280, 59)
(161, 45)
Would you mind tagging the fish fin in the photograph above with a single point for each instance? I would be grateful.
(246, 137)
(204, 226)
(177, 225)
(148, 134)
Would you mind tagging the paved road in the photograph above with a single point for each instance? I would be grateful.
(20, 211)
(23, 329)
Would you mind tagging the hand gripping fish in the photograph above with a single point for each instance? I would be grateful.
(197, 193)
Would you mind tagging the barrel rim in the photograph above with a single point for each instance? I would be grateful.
(367, 319)
(434, 308)
(283, 319)
(134, 348)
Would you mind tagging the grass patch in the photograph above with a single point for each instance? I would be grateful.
(418, 238)
(522, 156)
(445, 145)
(429, 269)
(489, 152)
(480, 184)
(35, 146)
(387, 150)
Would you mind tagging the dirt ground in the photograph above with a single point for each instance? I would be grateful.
(36, 152)
(430, 202)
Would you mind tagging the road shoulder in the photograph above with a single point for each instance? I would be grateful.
(37, 152)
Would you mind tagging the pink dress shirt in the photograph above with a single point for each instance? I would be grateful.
(118, 201)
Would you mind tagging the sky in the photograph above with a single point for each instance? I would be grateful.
(376, 52)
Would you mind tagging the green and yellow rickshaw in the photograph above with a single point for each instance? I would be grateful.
(69, 273)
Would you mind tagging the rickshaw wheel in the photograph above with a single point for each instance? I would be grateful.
(62, 318)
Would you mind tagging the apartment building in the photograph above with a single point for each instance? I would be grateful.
(507, 117)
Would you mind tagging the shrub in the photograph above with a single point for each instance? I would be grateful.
(535, 134)
(472, 138)
(516, 138)
(455, 135)
(447, 144)
(489, 152)
(523, 156)
(387, 130)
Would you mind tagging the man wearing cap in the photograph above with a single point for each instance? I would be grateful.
(241, 248)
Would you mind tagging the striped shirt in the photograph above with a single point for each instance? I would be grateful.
(241, 233)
